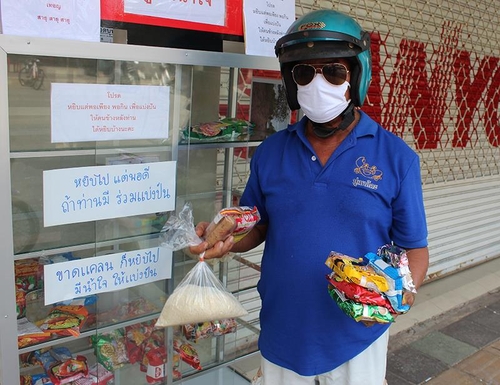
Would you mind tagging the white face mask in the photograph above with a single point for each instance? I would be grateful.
(322, 101)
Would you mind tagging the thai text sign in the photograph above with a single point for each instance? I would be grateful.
(265, 22)
(98, 112)
(82, 194)
(200, 11)
(76, 20)
(87, 276)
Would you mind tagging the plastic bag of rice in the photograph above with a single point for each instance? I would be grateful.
(199, 297)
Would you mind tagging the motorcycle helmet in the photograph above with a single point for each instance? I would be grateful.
(324, 34)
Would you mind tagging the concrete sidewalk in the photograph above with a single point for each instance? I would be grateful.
(452, 334)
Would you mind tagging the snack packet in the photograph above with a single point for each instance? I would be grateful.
(395, 291)
(355, 270)
(187, 353)
(202, 330)
(64, 320)
(360, 312)
(397, 257)
(359, 293)
(235, 221)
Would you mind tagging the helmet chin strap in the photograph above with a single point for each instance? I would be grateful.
(347, 118)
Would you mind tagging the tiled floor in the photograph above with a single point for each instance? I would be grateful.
(459, 346)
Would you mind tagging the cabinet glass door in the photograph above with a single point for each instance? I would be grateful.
(101, 150)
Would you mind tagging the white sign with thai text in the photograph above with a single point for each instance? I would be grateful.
(265, 22)
(82, 277)
(73, 195)
(62, 19)
(100, 112)
(200, 11)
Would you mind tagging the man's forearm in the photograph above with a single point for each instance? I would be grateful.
(419, 263)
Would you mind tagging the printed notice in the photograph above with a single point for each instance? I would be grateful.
(82, 277)
(100, 112)
(200, 11)
(265, 22)
(74, 195)
(76, 20)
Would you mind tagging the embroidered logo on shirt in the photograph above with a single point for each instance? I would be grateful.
(370, 172)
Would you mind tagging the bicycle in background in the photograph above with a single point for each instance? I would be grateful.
(31, 75)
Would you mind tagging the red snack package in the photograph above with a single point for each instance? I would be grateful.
(98, 375)
(156, 371)
(69, 370)
(359, 293)
(187, 353)
(65, 320)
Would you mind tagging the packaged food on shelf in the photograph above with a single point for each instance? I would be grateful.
(187, 353)
(97, 375)
(60, 365)
(224, 129)
(65, 320)
(201, 330)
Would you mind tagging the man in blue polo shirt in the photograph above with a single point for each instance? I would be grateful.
(336, 180)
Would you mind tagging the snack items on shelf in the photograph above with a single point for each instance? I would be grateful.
(29, 334)
(110, 349)
(35, 379)
(97, 375)
(140, 344)
(60, 365)
(28, 277)
(224, 129)
(65, 320)
(187, 353)
(199, 331)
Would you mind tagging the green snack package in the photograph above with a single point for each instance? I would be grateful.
(359, 311)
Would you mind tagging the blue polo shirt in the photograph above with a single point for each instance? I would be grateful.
(367, 195)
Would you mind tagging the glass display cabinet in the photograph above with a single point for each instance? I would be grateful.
(100, 144)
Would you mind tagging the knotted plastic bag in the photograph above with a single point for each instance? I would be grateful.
(200, 296)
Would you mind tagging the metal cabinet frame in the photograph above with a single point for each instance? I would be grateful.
(9, 364)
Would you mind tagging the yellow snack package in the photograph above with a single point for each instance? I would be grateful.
(354, 270)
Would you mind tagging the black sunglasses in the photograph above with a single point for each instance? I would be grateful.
(334, 73)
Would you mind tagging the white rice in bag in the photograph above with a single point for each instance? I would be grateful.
(199, 297)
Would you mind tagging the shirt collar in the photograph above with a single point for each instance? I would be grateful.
(365, 127)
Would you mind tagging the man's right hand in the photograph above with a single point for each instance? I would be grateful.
(220, 249)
